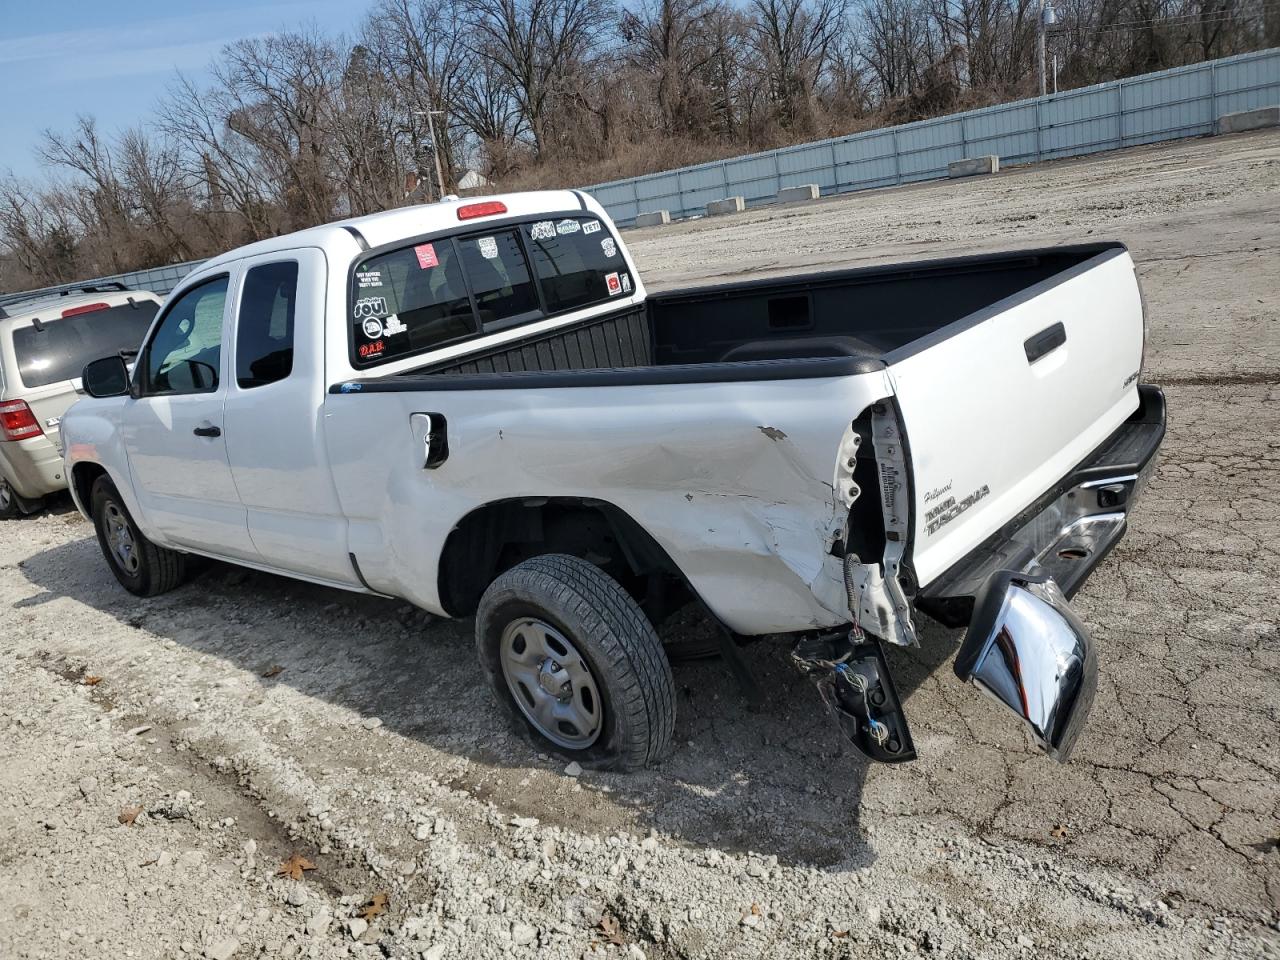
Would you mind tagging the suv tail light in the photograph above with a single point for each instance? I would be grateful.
(486, 209)
(17, 421)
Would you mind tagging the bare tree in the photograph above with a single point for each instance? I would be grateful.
(217, 163)
(538, 47)
(795, 40)
(672, 44)
(423, 51)
(280, 88)
(298, 128)
(37, 233)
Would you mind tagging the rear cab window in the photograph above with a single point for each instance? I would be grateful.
(578, 262)
(57, 348)
(423, 296)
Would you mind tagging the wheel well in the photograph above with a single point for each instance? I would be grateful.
(494, 538)
(83, 477)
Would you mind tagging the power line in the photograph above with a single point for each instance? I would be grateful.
(1177, 19)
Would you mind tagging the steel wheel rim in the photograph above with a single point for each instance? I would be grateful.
(119, 536)
(551, 683)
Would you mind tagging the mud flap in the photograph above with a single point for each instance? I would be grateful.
(1027, 650)
(851, 674)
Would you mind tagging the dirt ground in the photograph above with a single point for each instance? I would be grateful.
(245, 718)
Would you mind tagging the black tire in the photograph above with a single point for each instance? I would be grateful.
(611, 633)
(14, 504)
(156, 570)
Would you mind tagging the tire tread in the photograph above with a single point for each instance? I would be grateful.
(166, 569)
(644, 691)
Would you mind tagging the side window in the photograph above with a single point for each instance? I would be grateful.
(264, 332)
(408, 301)
(185, 355)
(499, 278)
(578, 262)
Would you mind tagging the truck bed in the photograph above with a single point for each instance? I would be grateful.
(868, 313)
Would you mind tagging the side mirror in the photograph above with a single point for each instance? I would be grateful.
(106, 377)
(203, 375)
(1027, 650)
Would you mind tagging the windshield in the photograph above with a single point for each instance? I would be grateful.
(58, 349)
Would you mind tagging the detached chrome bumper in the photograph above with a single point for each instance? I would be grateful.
(1025, 647)
(1027, 650)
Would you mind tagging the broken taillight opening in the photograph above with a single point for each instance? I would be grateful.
(86, 308)
(486, 209)
(17, 421)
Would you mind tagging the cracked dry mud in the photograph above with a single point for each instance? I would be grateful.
(761, 834)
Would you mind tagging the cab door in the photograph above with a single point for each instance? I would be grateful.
(274, 415)
(172, 427)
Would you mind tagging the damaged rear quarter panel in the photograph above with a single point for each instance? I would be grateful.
(736, 481)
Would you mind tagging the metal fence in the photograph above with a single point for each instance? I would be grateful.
(1183, 102)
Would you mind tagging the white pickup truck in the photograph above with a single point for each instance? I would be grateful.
(474, 406)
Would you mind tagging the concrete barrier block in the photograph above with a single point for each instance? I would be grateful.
(807, 191)
(1249, 120)
(727, 205)
(655, 219)
(974, 166)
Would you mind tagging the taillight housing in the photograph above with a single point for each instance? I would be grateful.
(486, 209)
(18, 422)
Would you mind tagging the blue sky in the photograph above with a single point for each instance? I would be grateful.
(114, 60)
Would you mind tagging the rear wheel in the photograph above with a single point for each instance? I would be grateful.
(574, 660)
(13, 504)
(141, 567)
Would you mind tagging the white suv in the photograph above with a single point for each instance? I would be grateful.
(44, 345)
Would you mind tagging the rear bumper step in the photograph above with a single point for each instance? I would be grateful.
(1070, 529)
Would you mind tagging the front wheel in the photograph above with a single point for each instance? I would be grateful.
(141, 567)
(575, 661)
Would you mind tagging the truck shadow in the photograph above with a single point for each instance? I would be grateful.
(778, 781)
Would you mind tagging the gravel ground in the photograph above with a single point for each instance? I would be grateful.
(245, 718)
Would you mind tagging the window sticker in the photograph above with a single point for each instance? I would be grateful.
(371, 349)
(626, 283)
(609, 247)
(372, 328)
(568, 226)
(543, 230)
(591, 226)
(368, 278)
(488, 248)
(370, 307)
(426, 254)
(615, 286)
(393, 325)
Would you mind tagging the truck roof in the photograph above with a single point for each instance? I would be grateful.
(403, 223)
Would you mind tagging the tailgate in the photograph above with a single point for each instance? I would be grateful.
(1001, 404)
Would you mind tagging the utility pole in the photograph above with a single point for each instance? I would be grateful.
(435, 148)
(1040, 45)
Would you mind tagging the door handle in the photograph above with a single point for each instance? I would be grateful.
(435, 441)
(207, 431)
(1045, 342)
